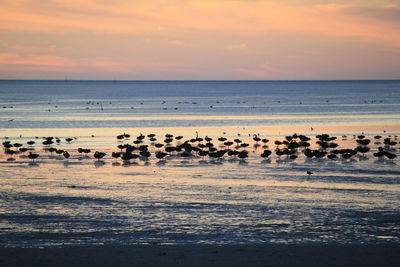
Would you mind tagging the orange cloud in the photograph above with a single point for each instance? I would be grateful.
(168, 17)
(260, 71)
(35, 60)
(241, 48)
(182, 36)
(16, 62)
(177, 43)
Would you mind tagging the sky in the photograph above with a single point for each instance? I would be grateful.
(200, 39)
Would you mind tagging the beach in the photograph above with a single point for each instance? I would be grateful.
(199, 133)
(284, 207)
(204, 255)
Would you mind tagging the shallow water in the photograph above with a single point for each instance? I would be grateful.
(123, 104)
(81, 201)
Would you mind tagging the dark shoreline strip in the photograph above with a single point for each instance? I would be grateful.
(206, 255)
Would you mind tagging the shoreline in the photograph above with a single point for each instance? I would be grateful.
(206, 255)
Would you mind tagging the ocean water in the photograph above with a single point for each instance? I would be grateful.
(81, 201)
(124, 104)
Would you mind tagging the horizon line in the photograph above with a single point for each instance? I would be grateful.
(199, 80)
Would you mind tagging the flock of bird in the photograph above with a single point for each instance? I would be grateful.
(151, 146)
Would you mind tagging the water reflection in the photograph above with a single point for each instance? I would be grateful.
(243, 162)
(33, 164)
(161, 162)
(67, 164)
(99, 163)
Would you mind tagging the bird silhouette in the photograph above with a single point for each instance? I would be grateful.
(33, 156)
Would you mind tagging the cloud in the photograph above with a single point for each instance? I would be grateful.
(34, 60)
(260, 71)
(76, 16)
(384, 14)
(177, 43)
(18, 62)
(166, 18)
(132, 16)
(241, 48)
(188, 37)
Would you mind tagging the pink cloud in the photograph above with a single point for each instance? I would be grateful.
(177, 43)
(176, 37)
(35, 60)
(17, 62)
(260, 71)
(241, 48)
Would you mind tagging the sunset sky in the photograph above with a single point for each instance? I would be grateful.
(200, 39)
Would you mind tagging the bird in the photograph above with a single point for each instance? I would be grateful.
(332, 156)
(52, 149)
(346, 155)
(390, 155)
(202, 153)
(257, 139)
(47, 142)
(243, 154)
(66, 154)
(237, 141)
(244, 145)
(23, 149)
(222, 139)
(266, 153)
(228, 143)
(309, 173)
(145, 154)
(168, 140)
(17, 145)
(116, 155)
(33, 156)
(265, 140)
(161, 155)
(99, 155)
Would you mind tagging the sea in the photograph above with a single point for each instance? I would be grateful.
(54, 201)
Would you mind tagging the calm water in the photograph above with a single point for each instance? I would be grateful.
(79, 201)
(99, 104)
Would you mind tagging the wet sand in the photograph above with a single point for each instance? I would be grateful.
(205, 255)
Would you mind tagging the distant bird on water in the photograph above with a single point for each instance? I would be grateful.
(309, 173)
